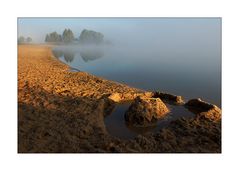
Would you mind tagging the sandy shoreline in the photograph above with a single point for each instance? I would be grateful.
(63, 111)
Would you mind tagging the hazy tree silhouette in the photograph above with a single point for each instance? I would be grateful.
(91, 54)
(91, 37)
(29, 40)
(68, 36)
(86, 37)
(21, 40)
(69, 56)
(47, 39)
(57, 53)
(53, 37)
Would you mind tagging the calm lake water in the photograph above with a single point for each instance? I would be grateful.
(191, 73)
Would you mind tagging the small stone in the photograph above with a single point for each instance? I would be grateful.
(116, 97)
(148, 94)
(198, 103)
(169, 97)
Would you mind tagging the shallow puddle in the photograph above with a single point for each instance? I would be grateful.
(116, 125)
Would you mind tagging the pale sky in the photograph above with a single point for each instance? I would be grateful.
(141, 29)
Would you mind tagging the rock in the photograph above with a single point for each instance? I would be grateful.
(116, 97)
(145, 111)
(213, 114)
(198, 103)
(148, 94)
(204, 109)
(107, 106)
(132, 96)
(127, 96)
(169, 97)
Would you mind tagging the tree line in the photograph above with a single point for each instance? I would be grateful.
(86, 37)
(22, 40)
(66, 37)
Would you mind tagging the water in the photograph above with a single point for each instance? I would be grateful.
(116, 125)
(190, 74)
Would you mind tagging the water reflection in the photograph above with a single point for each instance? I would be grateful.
(91, 54)
(57, 53)
(69, 56)
(86, 53)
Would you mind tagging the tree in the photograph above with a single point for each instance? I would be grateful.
(91, 37)
(29, 40)
(68, 36)
(47, 38)
(21, 40)
(53, 37)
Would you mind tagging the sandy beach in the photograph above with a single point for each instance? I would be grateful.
(63, 111)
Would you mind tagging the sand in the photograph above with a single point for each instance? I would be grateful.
(63, 111)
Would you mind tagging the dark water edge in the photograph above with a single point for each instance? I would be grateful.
(188, 78)
(116, 125)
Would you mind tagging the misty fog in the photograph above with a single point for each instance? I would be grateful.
(181, 56)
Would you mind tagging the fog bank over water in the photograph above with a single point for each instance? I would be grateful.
(186, 38)
(123, 30)
(181, 56)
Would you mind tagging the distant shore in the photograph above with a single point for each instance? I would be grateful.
(63, 111)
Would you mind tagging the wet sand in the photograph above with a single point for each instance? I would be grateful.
(63, 111)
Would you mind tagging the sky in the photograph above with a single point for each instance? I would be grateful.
(120, 29)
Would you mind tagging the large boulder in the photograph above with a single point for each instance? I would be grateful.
(204, 109)
(145, 111)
